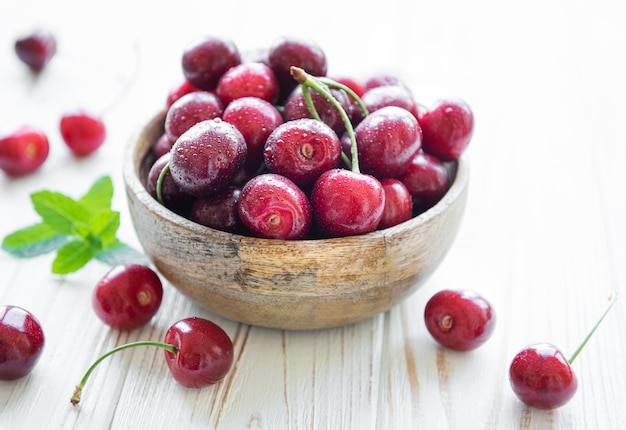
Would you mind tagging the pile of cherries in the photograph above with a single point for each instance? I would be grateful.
(268, 145)
(23, 151)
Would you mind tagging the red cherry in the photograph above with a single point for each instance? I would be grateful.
(248, 80)
(177, 92)
(36, 49)
(204, 352)
(398, 203)
(347, 203)
(541, 377)
(21, 342)
(206, 59)
(82, 132)
(198, 353)
(447, 128)
(459, 320)
(128, 296)
(23, 151)
(426, 179)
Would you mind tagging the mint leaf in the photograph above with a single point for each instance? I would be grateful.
(71, 257)
(105, 225)
(61, 212)
(99, 196)
(121, 253)
(34, 240)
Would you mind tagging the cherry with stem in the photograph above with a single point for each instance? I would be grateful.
(542, 377)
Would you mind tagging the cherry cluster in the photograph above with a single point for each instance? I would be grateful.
(23, 151)
(266, 144)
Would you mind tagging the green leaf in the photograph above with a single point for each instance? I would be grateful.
(99, 196)
(105, 225)
(62, 213)
(121, 253)
(33, 240)
(71, 257)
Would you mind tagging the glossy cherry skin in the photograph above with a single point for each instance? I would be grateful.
(447, 128)
(82, 132)
(426, 179)
(398, 203)
(459, 320)
(178, 91)
(190, 109)
(21, 342)
(541, 377)
(255, 118)
(248, 80)
(36, 49)
(207, 156)
(387, 140)
(273, 207)
(206, 59)
(219, 210)
(127, 296)
(23, 151)
(205, 352)
(347, 203)
(173, 197)
(302, 150)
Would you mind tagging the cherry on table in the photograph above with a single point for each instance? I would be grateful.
(127, 296)
(198, 353)
(36, 49)
(23, 151)
(21, 342)
(542, 377)
(459, 320)
(82, 132)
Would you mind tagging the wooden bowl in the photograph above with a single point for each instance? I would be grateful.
(292, 285)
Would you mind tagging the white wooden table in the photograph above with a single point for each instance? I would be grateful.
(544, 236)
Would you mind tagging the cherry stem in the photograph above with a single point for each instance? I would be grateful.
(307, 81)
(159, 184)
(612, 300)
(79, 388)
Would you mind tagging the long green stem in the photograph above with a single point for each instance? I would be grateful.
(347, 90)
(612, 299)
(306, 80)
(79, 388)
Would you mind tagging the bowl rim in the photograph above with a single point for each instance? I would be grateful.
(135, 158)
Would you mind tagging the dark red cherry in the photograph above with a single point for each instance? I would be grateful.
(248, 80)
(255, 118)
(272, 206)
(302, 150)
(296, 108)
(204, 352)
(387, 140)
(459, 320)
(398, 203)
(127, 296)
(162, 146)
(542, 377)
(198, 353)
(447, 128)
(23, 151)
(219, 210)
(207, 156)
(190, 109)
(172, 196)
(82, 132)
(206, 59)
(427, 180)
(390, 95)
(21, 342)
(347, 203)
(36, 49)
(383, 79)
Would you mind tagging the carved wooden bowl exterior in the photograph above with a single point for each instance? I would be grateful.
(292, 285)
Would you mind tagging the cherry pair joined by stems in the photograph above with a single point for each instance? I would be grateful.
(198, 353)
